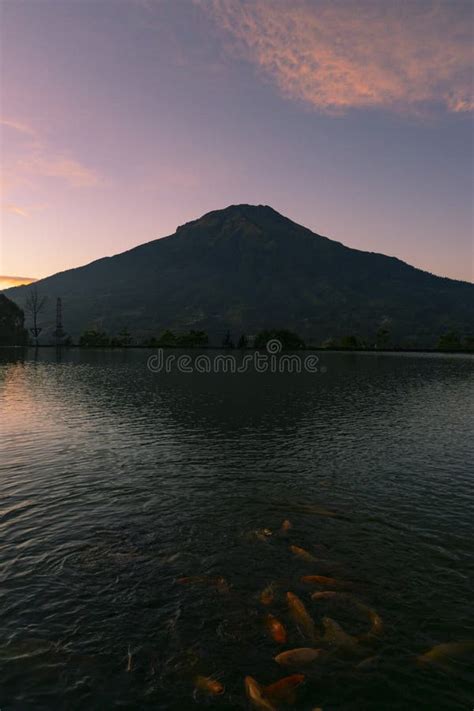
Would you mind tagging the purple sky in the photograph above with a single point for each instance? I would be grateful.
(122, 119)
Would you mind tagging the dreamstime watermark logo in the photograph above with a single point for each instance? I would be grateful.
(273, 361)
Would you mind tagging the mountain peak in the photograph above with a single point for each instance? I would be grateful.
(255, 214)
(245, 209)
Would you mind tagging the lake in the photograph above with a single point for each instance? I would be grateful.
(133, 515)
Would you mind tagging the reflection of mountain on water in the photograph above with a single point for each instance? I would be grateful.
(151, 421)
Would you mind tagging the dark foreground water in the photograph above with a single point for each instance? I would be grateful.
(116, 482)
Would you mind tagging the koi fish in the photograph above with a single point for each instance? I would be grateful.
(335, 635)
(256, 696)
(368, 664)
(286, 526)
(300, 655)
(209, 685)
(441, 654)
(375, 619)
(275, 629)
(304, 555)
(377, 622)
(300, 615)
(284, 690)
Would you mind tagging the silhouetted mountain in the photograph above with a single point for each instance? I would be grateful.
(246, 268)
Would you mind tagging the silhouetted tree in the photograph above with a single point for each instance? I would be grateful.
(167, 339)
(227, 342)
(12, 331)
(94, 339)
(289, 340)
(150, 342)
(193, 339)
(469, 343)
(350, 342)
(382, 338)
(243, 341)
(125, 338)
(449, 342)
(33, 306)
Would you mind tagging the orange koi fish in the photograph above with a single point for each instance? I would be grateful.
(209, 685)
(375, 619)
(301, 617)
(284, 690)
(325, 594)
(295, 657)
(337, 637)
(304, 555)
(275, 629)
(442, 654)
(256, 696)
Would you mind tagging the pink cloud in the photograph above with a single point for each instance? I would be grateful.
(15, 209)
(340, 54)
(27, 159)
(18, 126)
(59, 166)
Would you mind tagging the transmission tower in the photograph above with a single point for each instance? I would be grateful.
(59, 333)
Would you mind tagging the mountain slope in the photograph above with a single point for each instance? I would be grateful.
(246, 268)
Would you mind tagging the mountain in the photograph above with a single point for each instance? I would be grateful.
(246, 268)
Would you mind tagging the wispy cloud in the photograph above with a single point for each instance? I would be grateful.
(18, 126)
(336, 55)
(32, 158)
(15, 209)
(59, 166)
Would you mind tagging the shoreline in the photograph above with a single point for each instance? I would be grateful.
(371, 351)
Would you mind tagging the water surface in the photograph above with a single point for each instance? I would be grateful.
(115, 482)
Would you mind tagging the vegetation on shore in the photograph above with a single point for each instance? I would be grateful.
(13, 333)
(290, 341)
(450, 341)
(12, 320)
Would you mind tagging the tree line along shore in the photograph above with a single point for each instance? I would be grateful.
(14, 333)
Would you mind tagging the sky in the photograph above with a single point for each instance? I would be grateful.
(122, 119)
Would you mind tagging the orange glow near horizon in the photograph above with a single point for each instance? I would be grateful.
(6, 282)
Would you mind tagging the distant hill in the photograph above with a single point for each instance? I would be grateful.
(246, 268)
